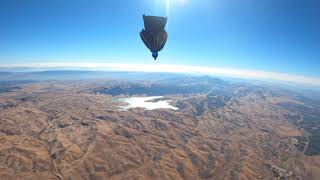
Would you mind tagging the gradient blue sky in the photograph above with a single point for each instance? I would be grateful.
(263, 35)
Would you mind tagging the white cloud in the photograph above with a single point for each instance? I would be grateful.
(227, 72)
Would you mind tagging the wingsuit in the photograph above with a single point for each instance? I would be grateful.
(154, 35)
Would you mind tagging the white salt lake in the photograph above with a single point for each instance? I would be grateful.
(144, 102)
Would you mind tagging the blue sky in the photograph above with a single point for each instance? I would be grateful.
(261, 35)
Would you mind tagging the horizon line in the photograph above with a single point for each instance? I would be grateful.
(166, 68)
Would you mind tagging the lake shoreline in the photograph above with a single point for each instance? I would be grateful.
(148, 103)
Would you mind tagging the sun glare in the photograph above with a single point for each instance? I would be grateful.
(169, 3)
(167, 7)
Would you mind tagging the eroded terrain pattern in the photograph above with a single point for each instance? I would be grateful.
(73, 130)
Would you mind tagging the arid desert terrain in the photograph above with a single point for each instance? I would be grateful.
(72, 129)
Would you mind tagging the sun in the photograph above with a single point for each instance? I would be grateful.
(170, 2)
